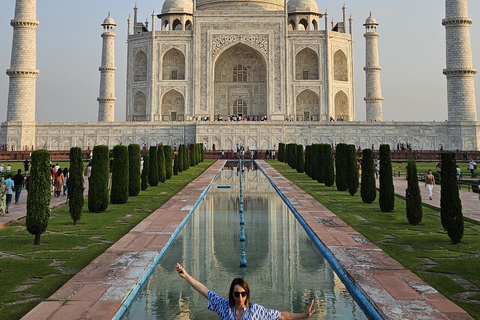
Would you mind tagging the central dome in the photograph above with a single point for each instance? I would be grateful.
(270, 5)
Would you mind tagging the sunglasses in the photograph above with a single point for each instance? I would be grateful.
(237, 294)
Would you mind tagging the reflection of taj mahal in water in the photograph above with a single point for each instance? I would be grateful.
(282, 62)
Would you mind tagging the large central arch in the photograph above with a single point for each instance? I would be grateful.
(240, 74)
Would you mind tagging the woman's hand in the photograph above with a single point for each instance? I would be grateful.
(309, 311)
(181, 272)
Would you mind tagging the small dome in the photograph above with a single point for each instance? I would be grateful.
(371, 20)
(302, 6)
(109, 20)
(177, 6)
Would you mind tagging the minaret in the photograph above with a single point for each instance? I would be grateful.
(106, 100)
(22, 72)
(459, 71)
(372, 69)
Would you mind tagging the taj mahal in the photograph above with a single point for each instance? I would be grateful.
(250, 72)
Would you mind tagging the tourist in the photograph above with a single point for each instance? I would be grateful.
(10, 186)
(429, 183)
(238, 305)
(2, 170)
(376, 167)
(459, 173)
(3, 196)
(58, 182)
(478, 188)
(26, 165)
(65, 181)
(18, 183)
(472, 166)
(8, 169)
(438, 167)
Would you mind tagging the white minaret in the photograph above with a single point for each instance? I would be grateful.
(372, 69)
(23, 72)
(460, 83)
(106, 99)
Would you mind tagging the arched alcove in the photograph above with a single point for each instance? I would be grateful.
(340, 66)
(140, 66)
(139, 107)
(173, 106)
(341, 106)
(307, 107)
(306, 65)
(173, 65)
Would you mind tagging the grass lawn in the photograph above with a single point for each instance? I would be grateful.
(30, 274)
(425, 249)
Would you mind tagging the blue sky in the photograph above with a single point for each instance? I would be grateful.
(411, 44)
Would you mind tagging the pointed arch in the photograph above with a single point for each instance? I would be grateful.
(140, 66)
(188, 25)
(340, 66)
(314, 24)
(173, 106)
(139, 107)
(291, 25)
(307, 107)
(165, 25)
(303, 23)
(177, 25)
(173, 65)
(341, 106)
(306, 65)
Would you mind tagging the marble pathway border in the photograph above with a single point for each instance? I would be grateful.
(396, 292)
(98, 291)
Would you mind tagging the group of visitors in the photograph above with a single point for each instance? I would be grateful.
(8, 186)
(340, 119)
(59, 180)
(241, 118)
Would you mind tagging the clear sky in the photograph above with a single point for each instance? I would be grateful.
(411, 44)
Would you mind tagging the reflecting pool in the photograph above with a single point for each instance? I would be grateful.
(285, 270)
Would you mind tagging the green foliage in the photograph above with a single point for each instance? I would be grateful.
(146, 166)
(120, 175)
(413, 195)
(340, 166)
(387, 190)
(308, 155)
(168, 162)
(152, 167)
(38, 198)
(162, 174)
(98, 181)
(281, 152)
(320, 163)
(450, 203)
(368, 188)
(202, 150)
(328, 167)
(300, 162)
(181, 164)
(75, 183)
(193, 155)
(134, 170)
(292, 155)
(175, 165)
(351, 169)
(185, 157)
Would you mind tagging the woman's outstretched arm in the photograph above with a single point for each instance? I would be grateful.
(200, 287)
(294, 316)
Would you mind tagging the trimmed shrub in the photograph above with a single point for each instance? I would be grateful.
(351, 169)
(450, 203)
(328, 167)
(308, 156)
(387, 190)
(368, 189)
(98, 181)
(75, 183)
(413, 195)
(193, 154)
(162, 174)
(340, 166)
(38, 198)
(300, 162)
(319, 164)
(146, 166)
(168, 162)
(134, 159)
(175, 166)
(281, 152)
(153, 167)
(120, 175)
(181, 167)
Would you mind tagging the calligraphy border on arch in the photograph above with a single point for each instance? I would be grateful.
(259, 41)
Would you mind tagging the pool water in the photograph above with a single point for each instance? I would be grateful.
(285, 270)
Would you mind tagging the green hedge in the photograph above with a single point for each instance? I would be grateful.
(351, 169)
(319, 163)
(162, 175)
(281, 152)
(328, 167)
(120, 175)
(193, 155)
(300, 162)
(387, 190)
(450, 203)
(146, 166)
(153, 167)
(340, 166)
(413, 195)
(75, 184)
(38, 198)
(368, 189)
(168, 161)
(134, 158)
(175, 165)
(98, 181)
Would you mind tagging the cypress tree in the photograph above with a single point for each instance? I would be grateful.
(387, 190)
(192, 154)
(134, 159)
(146, 166)
(168, 161)
(368, 188)
(300, 162)
(75, 185)
(450, 203)
(308, 153)
(181, 167)
(38, 198)
(340, 165)
(186, 158)
(98, 181)
(162, 175)
(328, 167)
(319, 165)
(312, 161)
(120, 175)
(351, 169)
(175, 166)
(413, 195)
(153, 167)
(281, 152)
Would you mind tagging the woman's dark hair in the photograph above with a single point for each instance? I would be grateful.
(65, 172)
(242, 283)
(59, 172)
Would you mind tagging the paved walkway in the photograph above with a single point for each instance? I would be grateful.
(97, 292)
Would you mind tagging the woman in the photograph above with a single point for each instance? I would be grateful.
(58, 182)
(65, 181)
(429, 183)
(238, 306)
(3, 197)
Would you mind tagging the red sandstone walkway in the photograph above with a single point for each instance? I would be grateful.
(98, 291)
